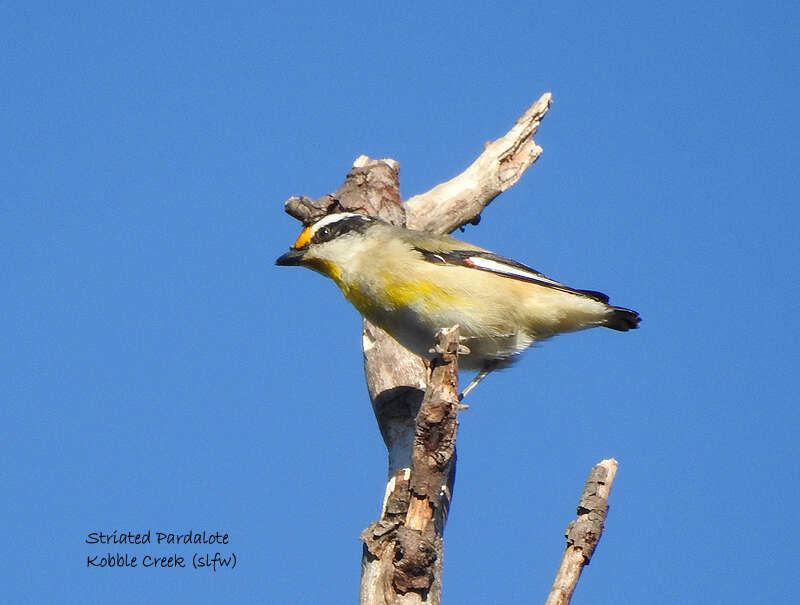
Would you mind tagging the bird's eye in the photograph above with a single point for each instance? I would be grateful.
(324, 232)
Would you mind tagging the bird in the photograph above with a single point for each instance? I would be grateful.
(414, 283)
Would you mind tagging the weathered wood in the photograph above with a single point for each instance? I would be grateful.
(584, 533)
(461, 200)
(402, 555)
(372, 187)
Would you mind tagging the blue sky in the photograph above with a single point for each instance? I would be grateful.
(160, 373)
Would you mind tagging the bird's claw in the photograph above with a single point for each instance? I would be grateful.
(461, 349)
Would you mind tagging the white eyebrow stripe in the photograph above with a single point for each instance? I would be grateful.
(333, 218)
(502, 268)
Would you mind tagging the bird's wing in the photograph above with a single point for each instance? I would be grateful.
(487, 261)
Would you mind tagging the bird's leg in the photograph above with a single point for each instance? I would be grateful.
(485, 370)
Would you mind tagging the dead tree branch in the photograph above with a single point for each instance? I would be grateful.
(584, 533)
(402, 558)
(461, 200)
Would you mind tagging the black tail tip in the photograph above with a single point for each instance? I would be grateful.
(623, 319)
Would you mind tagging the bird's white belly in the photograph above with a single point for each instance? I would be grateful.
(417, 332)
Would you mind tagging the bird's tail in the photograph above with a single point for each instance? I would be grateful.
(622, 319)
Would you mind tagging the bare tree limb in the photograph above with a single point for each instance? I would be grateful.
(402, 556)
(396, 382)
(460, 200)
(584, 533)
(372, 187)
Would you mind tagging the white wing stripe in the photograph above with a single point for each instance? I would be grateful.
(502, 268)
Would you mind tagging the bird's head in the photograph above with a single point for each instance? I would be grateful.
(329, 245)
